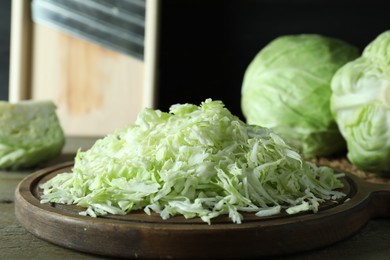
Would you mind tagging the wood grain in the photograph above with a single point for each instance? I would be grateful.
(96, 90)
(20, 55)
(134, 235)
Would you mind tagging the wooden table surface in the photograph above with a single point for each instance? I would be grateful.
(371, 242)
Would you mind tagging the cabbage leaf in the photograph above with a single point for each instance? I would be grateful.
(360, 103)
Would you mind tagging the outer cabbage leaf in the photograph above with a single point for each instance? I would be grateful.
(195, 161)
(30, 133)
(360, 102)
(286, 87)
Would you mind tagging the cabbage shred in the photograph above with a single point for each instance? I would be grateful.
(195, 161)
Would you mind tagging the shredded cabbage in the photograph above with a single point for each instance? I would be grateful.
(195, 161)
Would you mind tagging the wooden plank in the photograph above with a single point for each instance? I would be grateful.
(8, 182)
(151, 52)
(96, 90)
(20, 56)
(17, 243)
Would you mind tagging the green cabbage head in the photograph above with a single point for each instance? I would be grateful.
(286, 87)
(360, 102)
(30, 133)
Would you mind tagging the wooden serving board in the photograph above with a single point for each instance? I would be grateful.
(140, 235)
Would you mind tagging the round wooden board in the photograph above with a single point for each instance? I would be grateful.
(140, 235)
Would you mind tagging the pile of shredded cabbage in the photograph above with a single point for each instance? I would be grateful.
(197, 161)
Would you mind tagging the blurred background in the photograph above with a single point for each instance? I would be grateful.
(5, 14)
(102, 61)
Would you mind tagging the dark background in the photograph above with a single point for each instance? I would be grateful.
(206, 46)
(5, 15)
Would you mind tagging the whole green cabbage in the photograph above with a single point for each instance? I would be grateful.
(30, 133)
(287, 88)
(360, 102)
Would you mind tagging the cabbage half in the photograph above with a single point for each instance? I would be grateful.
(30, 134)
(287, 88)
(196, 161)
(360, 102)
